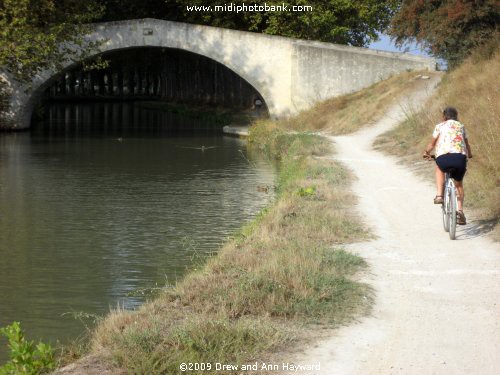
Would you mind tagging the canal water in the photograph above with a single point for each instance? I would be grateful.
(101, 203)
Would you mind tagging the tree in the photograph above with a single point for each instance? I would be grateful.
(352, 22)
(449, 29)
(115, 10)
(32, 33)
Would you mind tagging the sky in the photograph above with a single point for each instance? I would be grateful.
(385, 44)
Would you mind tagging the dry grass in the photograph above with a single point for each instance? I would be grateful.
(348, 113)
(473, 89)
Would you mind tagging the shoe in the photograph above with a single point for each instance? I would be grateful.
(438, 199)
(461, 218)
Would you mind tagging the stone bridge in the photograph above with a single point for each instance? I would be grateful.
(289, 74)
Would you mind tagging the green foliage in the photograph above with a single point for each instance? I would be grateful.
(25, 357)
(32, 33)
(339, 21)
(96, 63)
(450, 29)
(115, 10)
(306, 191)
(250, 227)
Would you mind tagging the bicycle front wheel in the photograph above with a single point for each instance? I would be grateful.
(445, 208)
(453, 211)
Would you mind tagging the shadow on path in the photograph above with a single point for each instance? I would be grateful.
(478, 228)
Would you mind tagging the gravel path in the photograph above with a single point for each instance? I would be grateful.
(437, 308)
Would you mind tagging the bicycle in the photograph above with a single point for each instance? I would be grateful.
(449, 205)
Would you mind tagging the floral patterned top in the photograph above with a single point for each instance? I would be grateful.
(452, 138)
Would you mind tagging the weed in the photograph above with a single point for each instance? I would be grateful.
(306, 191)
(25, 357)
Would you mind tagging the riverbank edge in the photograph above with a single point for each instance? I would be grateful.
(274, 307)
(272, 333)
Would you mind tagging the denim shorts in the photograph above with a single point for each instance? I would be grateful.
(456, 164)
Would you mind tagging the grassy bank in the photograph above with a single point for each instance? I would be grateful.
(277, 274)
(348, 113)
(473, 89)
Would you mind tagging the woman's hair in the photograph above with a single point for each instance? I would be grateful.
(450, 113)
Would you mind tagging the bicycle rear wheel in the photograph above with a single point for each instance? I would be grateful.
(453, 211)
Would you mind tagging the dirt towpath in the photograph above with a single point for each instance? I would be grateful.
(437, 306)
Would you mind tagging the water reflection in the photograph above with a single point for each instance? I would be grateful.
(85, 219)
(118, 118)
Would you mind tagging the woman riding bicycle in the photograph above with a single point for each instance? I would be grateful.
(452, 150)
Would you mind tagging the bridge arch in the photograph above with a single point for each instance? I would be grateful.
(289, 74)
(154, 73)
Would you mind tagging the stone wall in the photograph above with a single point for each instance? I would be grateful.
(321, 70)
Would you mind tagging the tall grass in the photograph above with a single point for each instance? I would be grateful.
(473, 89)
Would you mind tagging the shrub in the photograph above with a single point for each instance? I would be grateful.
(25, 357)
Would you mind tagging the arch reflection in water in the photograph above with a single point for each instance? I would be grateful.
(111, 118)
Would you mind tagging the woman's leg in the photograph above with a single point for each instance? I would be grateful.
(439, 182)
(460, 194)
(461, 220)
